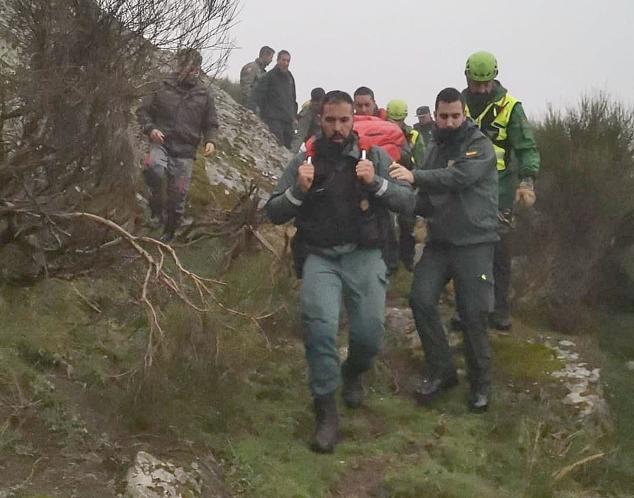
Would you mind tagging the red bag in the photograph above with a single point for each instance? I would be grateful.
(372, 131)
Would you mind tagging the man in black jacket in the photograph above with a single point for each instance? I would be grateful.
(275, 97)
(457, 193)
(174, 117)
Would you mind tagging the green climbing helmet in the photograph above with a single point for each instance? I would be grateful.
(397, 110)
(481, 66)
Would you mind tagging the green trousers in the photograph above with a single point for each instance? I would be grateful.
(358, 279)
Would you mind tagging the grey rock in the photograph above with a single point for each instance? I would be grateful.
(246, 150)
(150, 477)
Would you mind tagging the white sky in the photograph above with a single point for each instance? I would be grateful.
(549, 52)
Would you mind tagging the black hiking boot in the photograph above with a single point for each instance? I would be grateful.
(432, 387)
(352, 389)
(479, 400)
(167, 237)
(327, 424)
(499, 322)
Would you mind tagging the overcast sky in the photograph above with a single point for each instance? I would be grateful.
(549, 52)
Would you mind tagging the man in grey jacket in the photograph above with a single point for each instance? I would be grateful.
(339, 201)
(458, 195)
(174, 117)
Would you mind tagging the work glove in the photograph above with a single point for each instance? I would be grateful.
(525, 193)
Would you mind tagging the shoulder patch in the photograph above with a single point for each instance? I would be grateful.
(471, 153)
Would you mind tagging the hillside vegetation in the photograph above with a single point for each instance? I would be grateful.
(226, 390)
(112, 345)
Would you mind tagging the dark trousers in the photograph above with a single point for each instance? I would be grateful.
(400, 242)
(471, 269)
(407, 240)
(283, 131)
(502, 277)
(390, 247)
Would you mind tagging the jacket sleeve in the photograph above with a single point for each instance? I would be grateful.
(303, 125)
(473, 163)
(247, 79)
(210, 121)
(522, 140)
(287, 197)
(418, 152)
(259, 92)
(395, 195)
(295, 106)
(145, 113)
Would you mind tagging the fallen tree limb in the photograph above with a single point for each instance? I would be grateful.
(567, 470)
(156, 272)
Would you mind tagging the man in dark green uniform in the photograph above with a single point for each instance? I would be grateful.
(425, 123)
(308, 118)
(501, 118)
(274, 96)
(339, 200)
(252, 72)
(457, 193)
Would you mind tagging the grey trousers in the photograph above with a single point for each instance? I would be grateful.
(359, 278)
(471, 269)
(160, 166)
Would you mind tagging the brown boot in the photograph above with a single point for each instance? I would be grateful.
(327, 424)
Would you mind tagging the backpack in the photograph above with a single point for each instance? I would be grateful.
(372, 131)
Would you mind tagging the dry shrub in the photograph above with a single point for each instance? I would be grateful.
(585, 193)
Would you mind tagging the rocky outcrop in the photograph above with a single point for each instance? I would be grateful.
(150, 477)
(247, 150)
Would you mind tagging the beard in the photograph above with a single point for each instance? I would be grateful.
(328, 147)
(448, 135)
(478, 101)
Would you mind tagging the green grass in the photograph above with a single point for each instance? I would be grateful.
(240, 389)
(517, 359)
(617, 344)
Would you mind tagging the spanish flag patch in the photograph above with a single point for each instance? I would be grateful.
(471, 153)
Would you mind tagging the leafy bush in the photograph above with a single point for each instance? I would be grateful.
(585, 193)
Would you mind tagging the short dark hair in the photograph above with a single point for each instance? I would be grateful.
(336, 97)
(364, 90)
(266, 50)
(450, 95)
(283, 52)
(189, 57)
(424, 109)
(317, 94)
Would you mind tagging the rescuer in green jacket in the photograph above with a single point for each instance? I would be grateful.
(501, 118)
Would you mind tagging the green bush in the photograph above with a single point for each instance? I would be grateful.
(584, 193)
